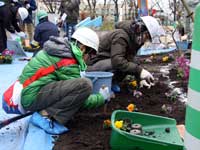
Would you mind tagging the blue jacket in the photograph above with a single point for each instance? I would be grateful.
(44, 30)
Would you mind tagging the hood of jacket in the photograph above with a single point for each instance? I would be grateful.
(58, 46)
(125, 25)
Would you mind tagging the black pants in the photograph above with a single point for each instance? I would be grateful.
(3, 39)
(62, 99)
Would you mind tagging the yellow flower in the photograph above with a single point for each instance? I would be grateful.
(152, 57)
(165, 58)
(119, 124)
(130, 107)
(107, 123)
(134, 83)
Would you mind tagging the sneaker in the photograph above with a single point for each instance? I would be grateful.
(48, 125)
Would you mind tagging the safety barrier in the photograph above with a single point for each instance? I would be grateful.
(192, 133)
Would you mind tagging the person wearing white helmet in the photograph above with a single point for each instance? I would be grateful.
(9, 17)
(22, 13)
(51, 82)
(118, 48)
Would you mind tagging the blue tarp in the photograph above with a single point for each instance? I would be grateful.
(97, 22)
(20, 135)
(147, 51)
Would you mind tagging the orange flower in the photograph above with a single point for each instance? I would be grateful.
(130, 107)
(107, 123)
(134, 83)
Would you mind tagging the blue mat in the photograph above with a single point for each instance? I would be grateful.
(147, 51)
(97, 22)
(20, 135)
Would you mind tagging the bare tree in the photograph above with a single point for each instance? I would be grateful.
(108, 7)
(116, 10)
(190, 14)
(92, 7)
(131, 9)
(103, 8)
(51, 5)
(176, 8)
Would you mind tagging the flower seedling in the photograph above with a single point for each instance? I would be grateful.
(180, 73)
(153, 56)
(119, 124)
(148, 60)
(133, 83)
(167, 109)
(137, 93)
(130, 107)
(106, 124)
(165, 58)
(126, 125)
(183, 68)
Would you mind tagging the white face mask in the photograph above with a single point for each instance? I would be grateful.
(15, 0)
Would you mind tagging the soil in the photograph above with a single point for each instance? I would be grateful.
(86, 128)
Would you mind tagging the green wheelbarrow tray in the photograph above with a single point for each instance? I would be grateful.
(159, 140)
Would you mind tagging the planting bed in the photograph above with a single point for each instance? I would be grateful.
(166, 98)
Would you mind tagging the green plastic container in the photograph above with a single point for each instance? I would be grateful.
(159, 140)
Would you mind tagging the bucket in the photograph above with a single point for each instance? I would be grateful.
(182, 45)
(99, 79)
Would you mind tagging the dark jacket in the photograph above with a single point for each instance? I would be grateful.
(8, 18)
(120, 46)
(23, 3)
(44, 30)
(71, 8)
(30, 10)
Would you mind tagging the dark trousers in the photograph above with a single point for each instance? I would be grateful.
(62, 99)
(69, 29)
(3, 39)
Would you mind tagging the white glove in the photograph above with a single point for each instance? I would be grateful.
(28, 6)
(144, 83)
(21, 34)
(82, 74)
(146, 75)
(104, 91)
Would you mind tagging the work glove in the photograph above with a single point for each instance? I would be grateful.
(104, 91)
(147, 79)
(21, 34)
(143, 83)
(82, 74)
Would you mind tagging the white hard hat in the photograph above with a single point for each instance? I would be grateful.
(2, 4)
(23, 12)
(87, 36)
(153, 26)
